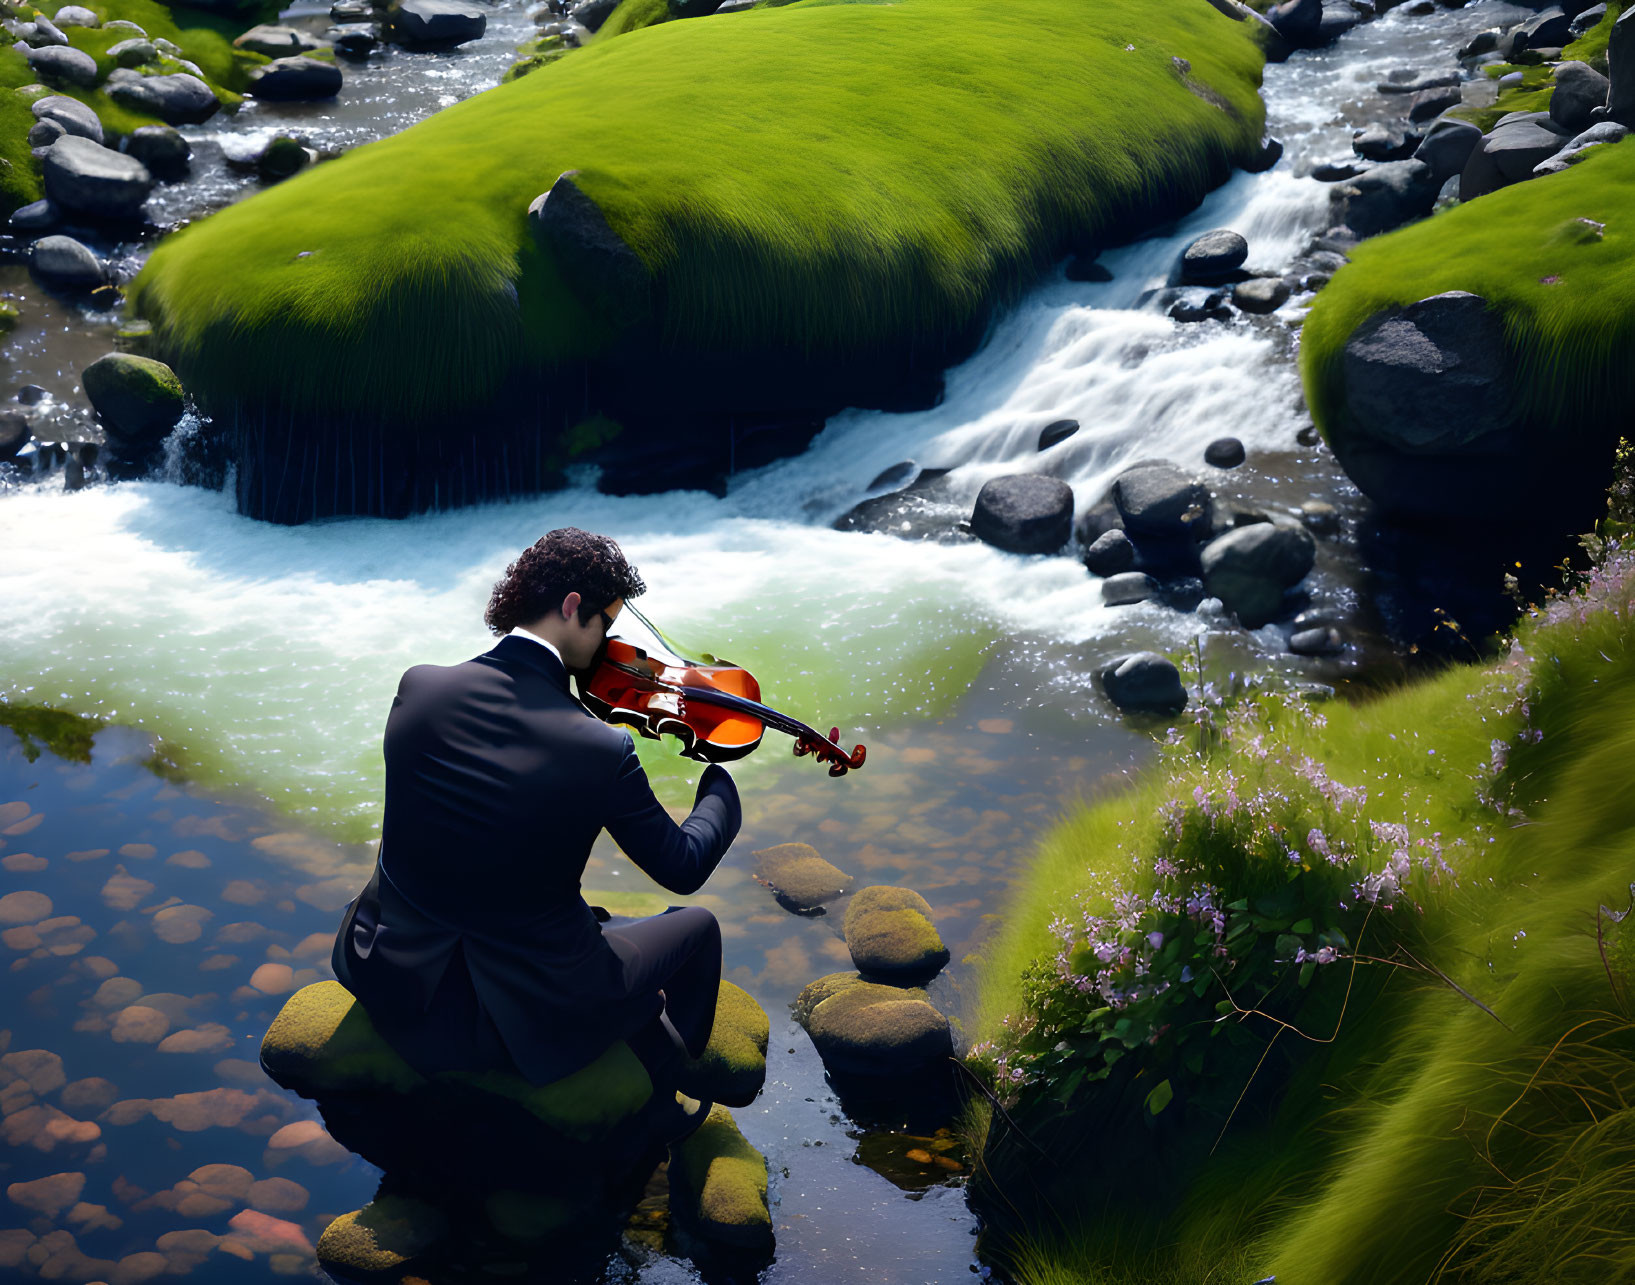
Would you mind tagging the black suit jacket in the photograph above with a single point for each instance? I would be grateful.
(471, 947)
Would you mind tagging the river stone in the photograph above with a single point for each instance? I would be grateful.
(161, 148)
(1432, 103)
(1261, 295)
(1598, 134)
(799, 878)
(1144, 682)
(718, 1190)
(123, 25)
(1384, 197)
(1325, 640)
(272, 41)
(1385, 142)
(1109, 554)
(45, 32)
(891, 937)
(732, 1067)
(73, 115)
(295, 80)
(1621, 69)
(1213, 257)
(1157, 501)
(1587, 20)
(1128, 587)
(1224, 452)
(1057, 431)
(14, 433)
(1409, 83)
(1249, 568)
(591, 14)
(74, 15)
(391, 1237)
(43, 133)
(65, 263)
(64, 63)
(1024, 513)
(138, 399)
(176, 99)
(437, 23)
(1213, 308)
(83, 177)
(1425, 424)
(1508, 154)
(599, 266)
(1447, 146)
(355, 40)
(1300, 22)
(35, 215)
(870, 1029)
(1579, 90)
(1548, 28)
(134, 52)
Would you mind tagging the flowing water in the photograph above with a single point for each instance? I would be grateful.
(263, 659)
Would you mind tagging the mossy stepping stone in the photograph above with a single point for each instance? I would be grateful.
(718, 1190)
(891, 937)
(385, 1240)
(800, 879)
(733, 1066)
(865, 1028)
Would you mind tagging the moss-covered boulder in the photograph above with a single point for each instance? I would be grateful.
(863, 1028)
(138, 399)
(718, 1191)
(800, 879)
(1552, 264)
(386, 1240)
(891, 937)
(732, 1068)
(392, 312)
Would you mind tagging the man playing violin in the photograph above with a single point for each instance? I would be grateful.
(471, 948)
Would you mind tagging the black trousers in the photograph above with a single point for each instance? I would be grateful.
(677, 953)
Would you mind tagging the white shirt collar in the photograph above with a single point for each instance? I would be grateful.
(520, 632)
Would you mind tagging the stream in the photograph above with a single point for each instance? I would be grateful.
(255, 666)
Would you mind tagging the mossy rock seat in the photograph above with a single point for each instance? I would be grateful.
(718, 1193)
(493, 1131)
(394, 319)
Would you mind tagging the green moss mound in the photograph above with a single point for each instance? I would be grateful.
(1568, 302)
(921, 161)
(382, 1241)
(890, 935)
(733, 1066)
(718, 1186)
(633, 15)
(1459, 1111)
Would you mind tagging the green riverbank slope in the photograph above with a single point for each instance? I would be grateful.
(818, 180)
(1337, 996)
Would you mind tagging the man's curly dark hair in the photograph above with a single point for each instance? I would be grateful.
(559, 563)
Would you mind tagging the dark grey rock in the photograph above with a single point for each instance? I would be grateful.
(1097, 521)
(1447, 146)
(1507, 155)
(1579, 90)
(1426, 424)
(83, 177)
(895, 478)
(1483, 42)
(1126, 587)
(1335, 171)
(135, 52)
(1587, 20)
(43, 133)
(1298, 21)
(1024, 513)
(1621, 69)
(597, 263)
(161, 148)
(65, 263)
(356, 40)
(1432, 103)
(591, 14)
(123, 25)
(1248, 569)
(1547, 27)
(1596, 135)
(44, 33)
(1058, 430)
(282, 157)
(295, 80)
(1213, 308)
(1385, 197)
(1144, 682)
(64, 63)
(1337, 20)
(73, 115)
(273, 41)
(35, 215)
(1261, 295)
(1385, 142)
(437, 23)
(14, 433)
(1418, 84)
(1083, 267)
(32, 394)
(1224, 452)
(1270, 153)
(1323, 641)
(138, 399)
(1320, 517)
(1213, 257)
(177, 99)
(352, 11)
(1109, 554)
(1157, 501)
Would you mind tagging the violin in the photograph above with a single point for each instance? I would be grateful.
(713, 708)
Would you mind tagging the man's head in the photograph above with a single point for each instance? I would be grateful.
(565, 588)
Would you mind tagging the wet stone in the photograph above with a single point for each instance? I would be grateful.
(799, 878)
(1144, 682)
(1224, 452)
(891, 936)
(1213, 257)
(732, 1068)
(1128, 587)
(1110, 553)
(718, 1189)
(870, 1029)
(1057, 431)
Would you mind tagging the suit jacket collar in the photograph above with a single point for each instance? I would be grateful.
(520, 651)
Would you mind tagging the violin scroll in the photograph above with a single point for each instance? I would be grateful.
(830, 752)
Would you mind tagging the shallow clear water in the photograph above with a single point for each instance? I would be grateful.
(266, 658)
